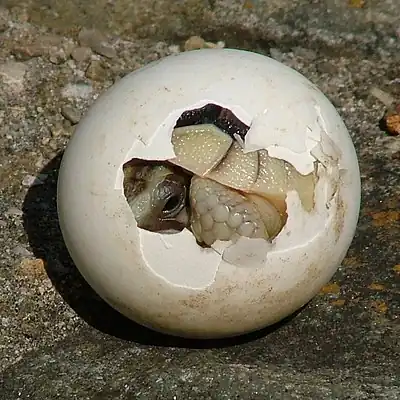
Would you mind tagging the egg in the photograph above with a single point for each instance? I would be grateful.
(210, 193)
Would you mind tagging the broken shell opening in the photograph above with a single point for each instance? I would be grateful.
(212, 186)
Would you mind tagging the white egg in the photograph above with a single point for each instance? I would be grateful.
(169, 282)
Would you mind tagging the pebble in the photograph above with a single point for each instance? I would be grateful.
(56, 131)
(57, 55)
(32, 268)
(197, 42)
(13, 74)
(72, 64)
(384, 97)
(194, 43)
(53, 144)
(14, 211)
(77, 91)
(30, 180)
(97, 42)
(71, 114)
(95, 71)
(392, 121)
(21, 251)
(276, 54)
(81, 54)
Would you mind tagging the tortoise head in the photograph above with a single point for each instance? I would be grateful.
(157, 195)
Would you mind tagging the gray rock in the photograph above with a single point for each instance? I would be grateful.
(14, 211)
(71, 114)
(96, 71)
(81, 54)
(97, 42)
(276, 54)
(30, 180)
(57, 55)
(21, 251)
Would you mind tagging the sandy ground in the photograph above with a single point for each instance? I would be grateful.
(57, 338)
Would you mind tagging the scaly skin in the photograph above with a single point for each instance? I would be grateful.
(220, 213)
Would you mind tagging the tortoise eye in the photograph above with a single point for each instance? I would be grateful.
(171, 192)
(173, 205)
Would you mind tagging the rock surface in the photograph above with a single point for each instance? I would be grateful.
(57, 338)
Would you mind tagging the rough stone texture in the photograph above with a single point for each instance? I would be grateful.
(59, 340)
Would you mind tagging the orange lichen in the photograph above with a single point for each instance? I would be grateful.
(392, 120)
(383, 218)
(32, 268)
(351, 262)
(248, 4)
(338, 302)
(376, 286)
(379, 306)
(357, 3)
(393, 124)
(396, 268)
(331, 288)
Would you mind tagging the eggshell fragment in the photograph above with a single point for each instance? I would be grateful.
(168, 282)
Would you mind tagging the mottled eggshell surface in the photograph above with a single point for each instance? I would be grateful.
(168, 281)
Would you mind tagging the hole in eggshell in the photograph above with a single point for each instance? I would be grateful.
(157, 192)
(221, 117)
(212, 187)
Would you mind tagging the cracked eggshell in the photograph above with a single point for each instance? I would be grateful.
(167, 282)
